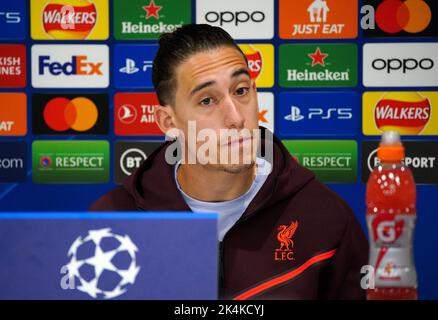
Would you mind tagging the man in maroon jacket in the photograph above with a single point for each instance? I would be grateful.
(282, 234)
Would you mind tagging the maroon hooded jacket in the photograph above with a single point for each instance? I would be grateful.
(296, 240)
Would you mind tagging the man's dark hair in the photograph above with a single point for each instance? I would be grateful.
(178, 46)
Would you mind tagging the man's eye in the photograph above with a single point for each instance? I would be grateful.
(242, 91)
(206, 102)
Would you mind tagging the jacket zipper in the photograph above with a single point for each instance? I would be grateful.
(222, 249)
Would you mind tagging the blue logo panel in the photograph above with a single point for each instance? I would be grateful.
(133, 65)
(12, 19)
(13, 161)
(318, 114)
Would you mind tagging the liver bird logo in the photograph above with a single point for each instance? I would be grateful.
(285, 233)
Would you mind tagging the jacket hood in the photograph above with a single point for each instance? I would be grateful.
(153, 185)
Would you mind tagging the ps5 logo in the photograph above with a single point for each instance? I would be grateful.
(131, 68)
(10, 17)
(319, 113)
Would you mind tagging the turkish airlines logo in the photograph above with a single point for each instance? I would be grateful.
(73, 21)
(408, 113)
(394, 16)
(127, 114)
(134, 114)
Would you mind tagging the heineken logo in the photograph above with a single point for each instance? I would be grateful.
(147, 19)
(320, 65)
(318, 57)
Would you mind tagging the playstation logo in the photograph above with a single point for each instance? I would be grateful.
(295, 114)
(129, 67)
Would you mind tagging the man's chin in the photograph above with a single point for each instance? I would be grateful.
(236, 168)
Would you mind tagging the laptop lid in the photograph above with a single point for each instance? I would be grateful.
(129, 255)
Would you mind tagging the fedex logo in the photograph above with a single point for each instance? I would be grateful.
(70, 66)
(318, 114)
(79, 65)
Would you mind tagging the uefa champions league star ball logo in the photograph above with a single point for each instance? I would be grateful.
(103, 264)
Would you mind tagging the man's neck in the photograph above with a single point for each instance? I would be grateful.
(214, 185)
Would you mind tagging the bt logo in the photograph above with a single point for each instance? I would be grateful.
(10, 17)
(314, 113)
(78, 66)
(405, 65)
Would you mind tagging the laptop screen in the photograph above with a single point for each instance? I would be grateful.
(129, 255)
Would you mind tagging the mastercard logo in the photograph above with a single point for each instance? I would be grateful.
(413, 16)
(79, 114)
(405, 112)
(63, 19)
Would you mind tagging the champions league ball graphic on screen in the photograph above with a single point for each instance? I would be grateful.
(103, 264)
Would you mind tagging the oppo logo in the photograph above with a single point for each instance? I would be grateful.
(234, 17)
(404, 65)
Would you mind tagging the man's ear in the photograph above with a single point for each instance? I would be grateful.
(164, 117)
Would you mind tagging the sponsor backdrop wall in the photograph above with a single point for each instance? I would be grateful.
(77, 101)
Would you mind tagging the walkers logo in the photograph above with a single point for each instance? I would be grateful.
(400, 64)
(284, 236)
(128, 156)
(244, 19)
(69, 19)
(147, 19)
(318, 65)
(409, 113)
(397, 18)
(70, 161)
(260, 62)
(318, 19)
(70, 66)
(12, 66)
(13, 20)
(133, 65)
(266, 110)
(13, 161)
(13, 114)
(62, 114)
(318, 113)
(333, 161)
(421, 157)
(134, 114)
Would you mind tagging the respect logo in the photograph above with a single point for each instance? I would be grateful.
(409, 113)
(69, 20)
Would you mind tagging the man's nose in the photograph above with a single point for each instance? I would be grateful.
(233, 116)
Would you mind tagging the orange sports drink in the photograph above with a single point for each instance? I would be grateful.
(391, 215)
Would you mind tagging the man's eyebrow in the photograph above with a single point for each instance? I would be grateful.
(239, 72)
(201, 86)
(212, 82)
